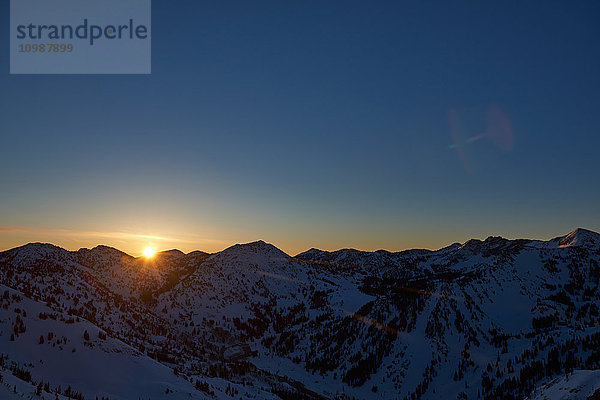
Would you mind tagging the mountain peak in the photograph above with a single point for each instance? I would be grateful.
(171, 253)
(38, 246)
(37, 249)
(102, 250)
(493, 245)
(31, 252)
(580, 237)
(258, 247)
(198, 253)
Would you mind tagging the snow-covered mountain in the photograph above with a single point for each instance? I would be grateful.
(581, 384)
(493, 318)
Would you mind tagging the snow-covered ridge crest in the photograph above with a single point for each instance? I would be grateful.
(581, 238)
(476, 319)
(32, 252)
(258, 248)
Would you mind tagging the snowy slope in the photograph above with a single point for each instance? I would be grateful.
(579, 385)
(54, 349)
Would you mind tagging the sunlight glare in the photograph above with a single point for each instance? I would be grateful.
(149, 252)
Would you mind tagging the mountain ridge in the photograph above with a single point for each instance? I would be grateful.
(578, 237)
(493, 318)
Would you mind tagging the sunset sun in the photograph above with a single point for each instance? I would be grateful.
(149, 252)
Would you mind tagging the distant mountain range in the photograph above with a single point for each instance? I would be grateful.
(491, 319)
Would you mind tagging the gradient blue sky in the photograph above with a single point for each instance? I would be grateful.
(314, 124)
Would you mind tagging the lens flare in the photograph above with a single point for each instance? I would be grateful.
(465, 131)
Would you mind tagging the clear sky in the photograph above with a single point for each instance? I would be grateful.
(314, 124)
